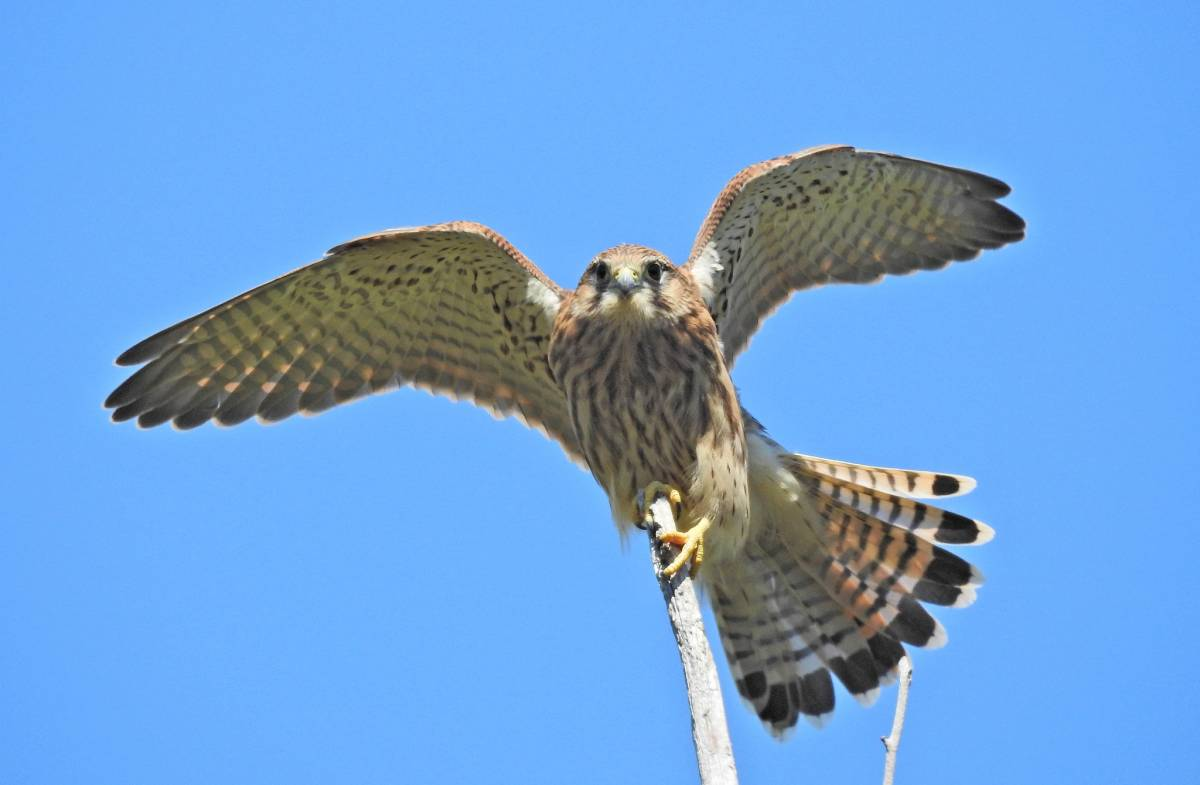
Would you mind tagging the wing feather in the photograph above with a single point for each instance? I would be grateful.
(834, 214)
(452, 308)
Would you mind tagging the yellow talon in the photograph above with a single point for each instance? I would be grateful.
(690, 542)
(691, 547)
(651, 492)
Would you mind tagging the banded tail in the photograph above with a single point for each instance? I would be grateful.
(833, 577)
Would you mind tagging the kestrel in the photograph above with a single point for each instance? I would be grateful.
(813, 566)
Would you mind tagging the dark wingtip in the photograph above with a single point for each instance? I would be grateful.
(132, 388)
(1009, 222)
(154, 418)
(139, 353)
(126, 412)
(114, 399)
(995, 187)
(193, 418)
(149, 348)
(981, 185)
(227, 418)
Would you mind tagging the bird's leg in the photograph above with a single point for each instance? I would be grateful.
(690, 542)
(691, 547)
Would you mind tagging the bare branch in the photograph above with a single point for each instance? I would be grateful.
(891, 743)
(710, 734)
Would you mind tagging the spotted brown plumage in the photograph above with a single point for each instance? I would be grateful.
(816, 568)
(452, 308)
(835, 214)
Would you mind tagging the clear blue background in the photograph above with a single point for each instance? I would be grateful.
(404, 590)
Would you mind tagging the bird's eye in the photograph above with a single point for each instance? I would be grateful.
(654, 271)
(601, 272)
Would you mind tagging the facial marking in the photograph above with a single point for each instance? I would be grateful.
(628, 283)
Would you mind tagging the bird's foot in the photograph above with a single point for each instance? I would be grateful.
(650, 493)
(690, 542)
(691, 547)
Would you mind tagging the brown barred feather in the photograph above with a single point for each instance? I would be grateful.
(834, 214)
(452, 308)
(906, 482)
(931, 523)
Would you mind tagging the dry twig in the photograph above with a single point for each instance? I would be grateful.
(891, 742)
(710, 734)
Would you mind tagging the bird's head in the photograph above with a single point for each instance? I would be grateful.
(631, 283)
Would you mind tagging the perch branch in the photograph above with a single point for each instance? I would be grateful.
(891, 742)
(710, 734)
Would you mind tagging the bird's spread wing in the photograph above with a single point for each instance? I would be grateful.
(836, 214)
(452, 308)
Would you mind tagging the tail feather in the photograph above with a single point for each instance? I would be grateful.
(887, 652)
(909, 482)
(879, 605)
(873, 570)
(784, 645)
(931, 523)
(825, 627)
(777, 667)
(894, 557)
(832, 579)
(784, 634)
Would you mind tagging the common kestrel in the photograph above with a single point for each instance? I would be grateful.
(813, 566)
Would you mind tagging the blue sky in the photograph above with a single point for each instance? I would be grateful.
(405, 590)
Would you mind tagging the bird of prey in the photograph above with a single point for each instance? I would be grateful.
(814, 566)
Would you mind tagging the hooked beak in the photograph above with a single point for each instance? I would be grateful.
(627, 279)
